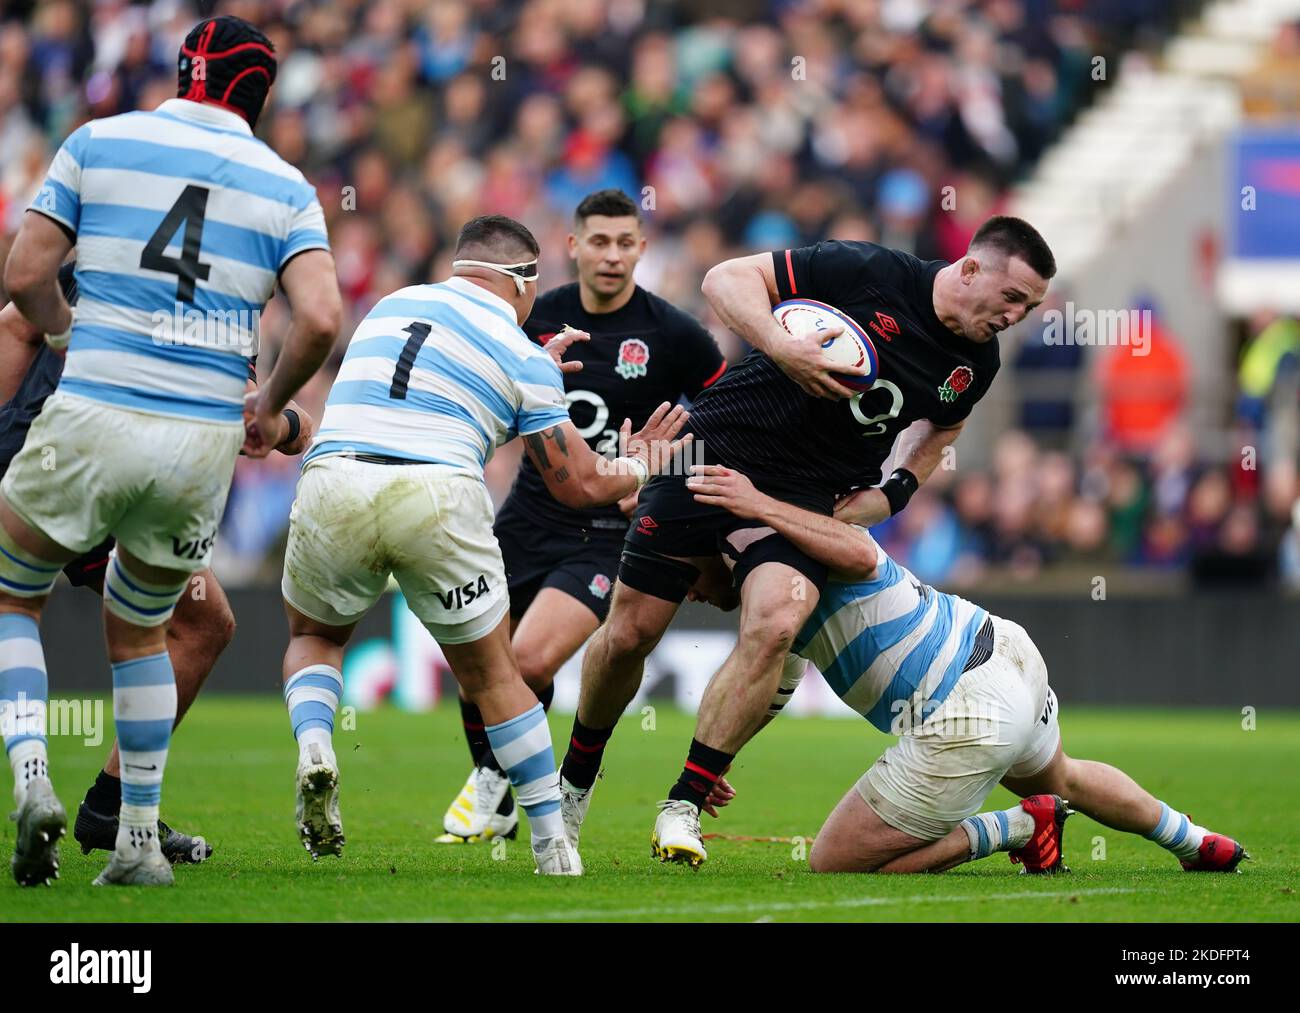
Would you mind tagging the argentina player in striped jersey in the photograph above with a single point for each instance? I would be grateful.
(184, 223)
(967, 696)
(435, 378)
(202, 625)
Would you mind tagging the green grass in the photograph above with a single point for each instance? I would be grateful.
(231, 772)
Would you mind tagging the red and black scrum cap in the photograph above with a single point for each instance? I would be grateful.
(228, 62)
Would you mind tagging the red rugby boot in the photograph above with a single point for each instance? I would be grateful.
(1217, 854)
(1042, 853)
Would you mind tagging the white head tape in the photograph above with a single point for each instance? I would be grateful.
(521, 273)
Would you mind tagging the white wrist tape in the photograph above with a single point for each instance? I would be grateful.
(60, 341)
(637, 467)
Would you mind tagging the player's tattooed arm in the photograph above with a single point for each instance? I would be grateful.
(579, 477)
(547, 446)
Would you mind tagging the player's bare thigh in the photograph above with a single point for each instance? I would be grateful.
(637, 619)
(855, 839)
(549, 633)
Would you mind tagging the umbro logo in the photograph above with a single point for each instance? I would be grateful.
(885, 325)
(646, 525)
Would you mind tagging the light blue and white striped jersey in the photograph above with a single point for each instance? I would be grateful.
(439, 373)
(183, 220)
(890, 644)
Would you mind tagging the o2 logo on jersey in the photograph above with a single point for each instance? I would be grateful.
(596, 427)
(877, 423)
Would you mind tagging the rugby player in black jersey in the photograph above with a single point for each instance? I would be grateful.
(202, 625)
(561, 562)
(804, 439)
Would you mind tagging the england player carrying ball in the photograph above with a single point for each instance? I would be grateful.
(806, 440)
(435, 378)
(966, 694)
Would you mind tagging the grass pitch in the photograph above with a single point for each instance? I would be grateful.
(230, 778)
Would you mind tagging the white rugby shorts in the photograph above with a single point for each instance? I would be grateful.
(429, 525)
(1000, 719)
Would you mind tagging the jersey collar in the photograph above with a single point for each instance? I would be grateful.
(467, 287)
(206, 113)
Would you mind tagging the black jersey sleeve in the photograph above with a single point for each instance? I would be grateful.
(955, 413)
(836, 271)
(700, 361)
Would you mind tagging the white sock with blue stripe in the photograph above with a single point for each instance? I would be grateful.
(138, 602)
(23, 692)
(1000, 830)
(312, 696)
(144, 711)
(522, 747)
(1177, 833)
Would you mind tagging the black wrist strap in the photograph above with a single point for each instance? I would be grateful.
(898, 489)
(295, 426)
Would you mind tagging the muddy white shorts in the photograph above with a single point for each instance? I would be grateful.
(429, 525)
(157, 483)
(1000, 719)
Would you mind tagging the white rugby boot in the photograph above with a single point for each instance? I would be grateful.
(573, 807)
(137, 860)
(473, 816)
(556, 856)
(676, 836)
(320, 828)
(41, 822)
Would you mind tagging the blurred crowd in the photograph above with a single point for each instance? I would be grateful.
(739, 125)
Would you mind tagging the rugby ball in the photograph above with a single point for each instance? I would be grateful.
(853, 347)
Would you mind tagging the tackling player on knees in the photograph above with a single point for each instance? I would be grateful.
(970, 708)
(561, 560)
(434, 379)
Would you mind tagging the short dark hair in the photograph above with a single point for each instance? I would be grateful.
(611, 203)
(496, 236)
(1015, 237)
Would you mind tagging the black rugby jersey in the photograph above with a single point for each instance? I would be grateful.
(42, 377)
(644, 353)
(758, 420)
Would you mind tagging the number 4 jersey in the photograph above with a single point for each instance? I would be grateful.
(182, 221)
(760, 421)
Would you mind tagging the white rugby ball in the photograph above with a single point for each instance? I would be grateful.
(850, 348)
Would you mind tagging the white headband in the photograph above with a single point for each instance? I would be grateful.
(521, 273)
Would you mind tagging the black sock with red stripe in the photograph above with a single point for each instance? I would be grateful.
(475, 731)
(586, 749)
(704, 765)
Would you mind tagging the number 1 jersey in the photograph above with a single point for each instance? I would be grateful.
(440, 374)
